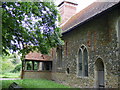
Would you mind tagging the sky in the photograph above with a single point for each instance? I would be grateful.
(81, 3)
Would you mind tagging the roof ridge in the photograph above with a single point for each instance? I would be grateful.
(87, 13)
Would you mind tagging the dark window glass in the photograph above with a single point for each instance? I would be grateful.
(80, 63)
(85, 62)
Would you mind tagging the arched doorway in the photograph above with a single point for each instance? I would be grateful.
(99, 69)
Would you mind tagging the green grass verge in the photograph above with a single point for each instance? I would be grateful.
(10, 75)
(33, 83)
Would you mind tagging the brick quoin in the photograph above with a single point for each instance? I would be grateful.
(67, 10)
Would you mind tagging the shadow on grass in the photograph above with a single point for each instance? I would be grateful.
(33, 83)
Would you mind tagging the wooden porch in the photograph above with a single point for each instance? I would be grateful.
(36, 66)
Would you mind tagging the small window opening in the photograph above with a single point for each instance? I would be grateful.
(68, 70)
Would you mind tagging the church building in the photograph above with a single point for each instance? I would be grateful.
(90, 57)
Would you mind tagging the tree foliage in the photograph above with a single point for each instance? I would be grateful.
(17, 68)
(30, 26)
(10, 63)
(7, 65)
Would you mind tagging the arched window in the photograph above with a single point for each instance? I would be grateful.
(119, 32)
(80, 63)
(83, 62)
(85, 54)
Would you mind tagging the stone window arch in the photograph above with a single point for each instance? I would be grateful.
(118, 38)
(118, 32)
(85, 54)
(82, 62)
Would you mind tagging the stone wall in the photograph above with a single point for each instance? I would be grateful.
(37, 75)
(99, 36)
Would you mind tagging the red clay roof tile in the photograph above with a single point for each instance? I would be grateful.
(38, 56)
(82, 16)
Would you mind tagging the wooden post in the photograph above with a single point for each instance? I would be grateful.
(25, 65)
(32, 65)
(44, 66)
(50, 68)
(37, 66)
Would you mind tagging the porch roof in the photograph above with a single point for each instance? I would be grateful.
(35, 56)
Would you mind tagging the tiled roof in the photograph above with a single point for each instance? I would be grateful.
(87, 13)
(38, 57)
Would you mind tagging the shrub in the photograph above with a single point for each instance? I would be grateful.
(7, 65)
(17, 68)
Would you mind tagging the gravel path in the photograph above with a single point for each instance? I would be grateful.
(9, 78)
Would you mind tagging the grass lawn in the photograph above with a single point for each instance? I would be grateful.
(10, 75)
(33, 83)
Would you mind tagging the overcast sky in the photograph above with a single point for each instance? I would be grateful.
(81, 3)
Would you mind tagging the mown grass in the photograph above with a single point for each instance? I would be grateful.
(10, 75)
(33, 83)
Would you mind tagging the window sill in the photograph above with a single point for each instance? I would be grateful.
(59, 68)
(83, 77)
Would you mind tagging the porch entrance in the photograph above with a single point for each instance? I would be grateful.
(37, 65)
(99, 69)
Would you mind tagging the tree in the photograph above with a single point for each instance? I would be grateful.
(30, 26)
(7, 65)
